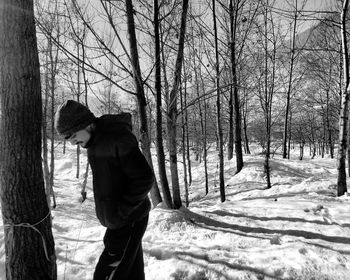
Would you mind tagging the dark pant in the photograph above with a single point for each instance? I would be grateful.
(122, 258)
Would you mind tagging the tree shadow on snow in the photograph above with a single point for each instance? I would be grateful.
(282, 169)
(212, 224)
(184, 256)
(277, 218)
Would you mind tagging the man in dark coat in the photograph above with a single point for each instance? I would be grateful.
(122, 179)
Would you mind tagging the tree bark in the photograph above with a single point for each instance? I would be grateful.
(141, 99)
(328, 127)
(236, 103)
(268, 90)
(344, 110)
(172, 134)
(159, 123)
(218, 113)
(290, 81)
(245, 125)
(46, 170)
(29, 243)
(183, 142)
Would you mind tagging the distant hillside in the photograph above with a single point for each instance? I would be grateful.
(315, 36)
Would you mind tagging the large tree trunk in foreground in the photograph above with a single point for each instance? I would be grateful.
(29, 242)
(344, 110)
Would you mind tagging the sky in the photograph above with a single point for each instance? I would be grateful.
(297, 230)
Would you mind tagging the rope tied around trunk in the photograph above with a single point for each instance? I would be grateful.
(28, 225)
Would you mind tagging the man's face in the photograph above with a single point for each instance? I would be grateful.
(80, 137)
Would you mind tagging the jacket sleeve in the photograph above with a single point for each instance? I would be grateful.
(138, 172)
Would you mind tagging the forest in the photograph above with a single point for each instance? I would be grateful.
(197, 76)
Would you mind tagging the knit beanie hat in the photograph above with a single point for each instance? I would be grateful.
(71, 117)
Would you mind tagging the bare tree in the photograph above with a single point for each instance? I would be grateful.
(172, 113)
(344, 110)
(48, 15)
(218, 112)
(145, 141)
(234, 98)
(290, 79)
(159, 128)
(266, 65)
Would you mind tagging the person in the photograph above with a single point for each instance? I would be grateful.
(122, 179)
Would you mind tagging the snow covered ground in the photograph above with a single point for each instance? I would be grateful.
(298, 229)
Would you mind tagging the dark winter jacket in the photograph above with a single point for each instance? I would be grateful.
(122, 177)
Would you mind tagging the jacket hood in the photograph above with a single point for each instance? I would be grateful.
(114, 122)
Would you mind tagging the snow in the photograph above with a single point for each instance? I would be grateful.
(298, 229)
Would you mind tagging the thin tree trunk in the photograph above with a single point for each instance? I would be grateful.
(328, 127)
(54, 63)
(159, 123)
(141, 100)
(268, 106)
(245, 125)
(184, 148)
(289, 134)
(26, 215)
(230, 126)
(205, 152)
(301, 155)
(203, 123)
(78, 99)
(290, 80)
(50, 71)
(173, 110)
(237, 122)
(188, 153)
(205, 137)
(46, 169)
(218, 113)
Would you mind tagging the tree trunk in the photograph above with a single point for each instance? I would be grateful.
(141, 100)
(205, 150)
(159, 123)
(328, 127)
(203, 123)
(268, 102)
(29, 244)
(78, 99)
(188, 153)
(173, 110)
(53, 70)
(290, 80)
(237, 113)
(301, 155)
(230, 126)
(218, 113)
(205, 135)
(183, 129)
(46, 170)
(245, 125)
(48, 113)
(344, 110)
(289, 134)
